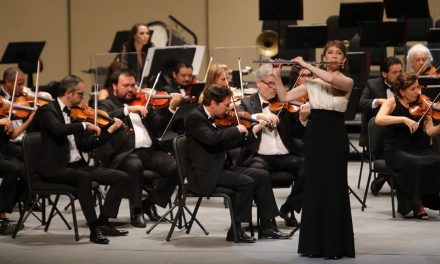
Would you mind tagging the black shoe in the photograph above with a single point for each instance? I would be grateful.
(110, 230)
(288, 220)
(98, 237)
(377, 184)
(150, 210)
(138, 220)
(272, 234)
(6, 228)
(242, 236)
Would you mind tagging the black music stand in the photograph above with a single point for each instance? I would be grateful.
(307, 38)
(26, 54)
(432, 86)
(382, 34)
(433, 38)
(120, 38)
(352, 14)
(281, 10)
(175, 125)
(407, 8)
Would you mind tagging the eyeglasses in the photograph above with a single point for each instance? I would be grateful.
(268, 84)
(131, 85)
(80, 93)
(307, 75)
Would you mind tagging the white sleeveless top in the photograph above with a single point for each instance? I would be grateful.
(321, 97)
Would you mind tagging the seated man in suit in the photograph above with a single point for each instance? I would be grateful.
(207, 145)
(277, 149)
(134, 152)
(182, 80)
(373, 96)
(62, 160)
(11, 170)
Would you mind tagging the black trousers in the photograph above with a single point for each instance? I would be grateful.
(250, 183)
(81, 176)
(10, 171)
(151, 159)
(291, 163)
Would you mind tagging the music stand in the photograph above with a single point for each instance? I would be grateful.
(407, 8)
(433, 37)
(352, 14)
(120, 38)
(359, 66)
(26, 54)
(306, 37)
(165, 58)
(169, 133)
(382, 34)
(281, 10)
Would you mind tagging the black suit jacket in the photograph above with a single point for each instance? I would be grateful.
(123, 143)
(207, 147)
(55, 153)
(289, 128)
(376, 88)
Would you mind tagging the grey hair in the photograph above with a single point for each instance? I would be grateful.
(417, 48)
(9, 73)
(263, 71)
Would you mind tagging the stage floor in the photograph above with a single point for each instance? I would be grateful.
(378, 238)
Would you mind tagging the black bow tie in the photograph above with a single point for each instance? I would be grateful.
(264, 105)
(66, 110)
(211, 120)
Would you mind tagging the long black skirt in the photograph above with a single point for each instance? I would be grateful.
(326, 224)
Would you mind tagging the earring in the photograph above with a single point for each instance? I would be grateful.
(342, 66)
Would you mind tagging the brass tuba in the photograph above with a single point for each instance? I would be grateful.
(267, 43)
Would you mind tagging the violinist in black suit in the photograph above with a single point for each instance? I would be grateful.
(373, 96)
(278, 149)
(207, 145)
(134, 152)
(62, 160)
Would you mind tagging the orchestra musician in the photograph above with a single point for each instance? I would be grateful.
(298, 76)
(134, 152)
(62, 160)
(134, 52)
(11, 170)
(182, 80)
(277, 149)
(326, 224)
(408, 151)
(419, 60)
(207, 145)
(373, 96)
(217, 74)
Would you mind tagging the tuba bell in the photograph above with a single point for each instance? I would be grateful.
(267, 43)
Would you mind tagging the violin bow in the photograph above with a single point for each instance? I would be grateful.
(36, 85)
(232, 98)
(423, 66)
(241, 77)
(13, 95)
(430, 106)
(152, 89)
(95, 100)
(207, 69)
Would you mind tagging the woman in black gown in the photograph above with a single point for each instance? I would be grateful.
(326, 225)
(408, 151)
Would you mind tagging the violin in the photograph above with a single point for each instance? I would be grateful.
(19, 111)
(84, 113)
(42, 98)
(432, 71)
(230, 119)
(276, 106)
(158, 99)
(423, 106)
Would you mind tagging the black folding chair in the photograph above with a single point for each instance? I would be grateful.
(36, 186)
(183, 165)
(376, 164)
